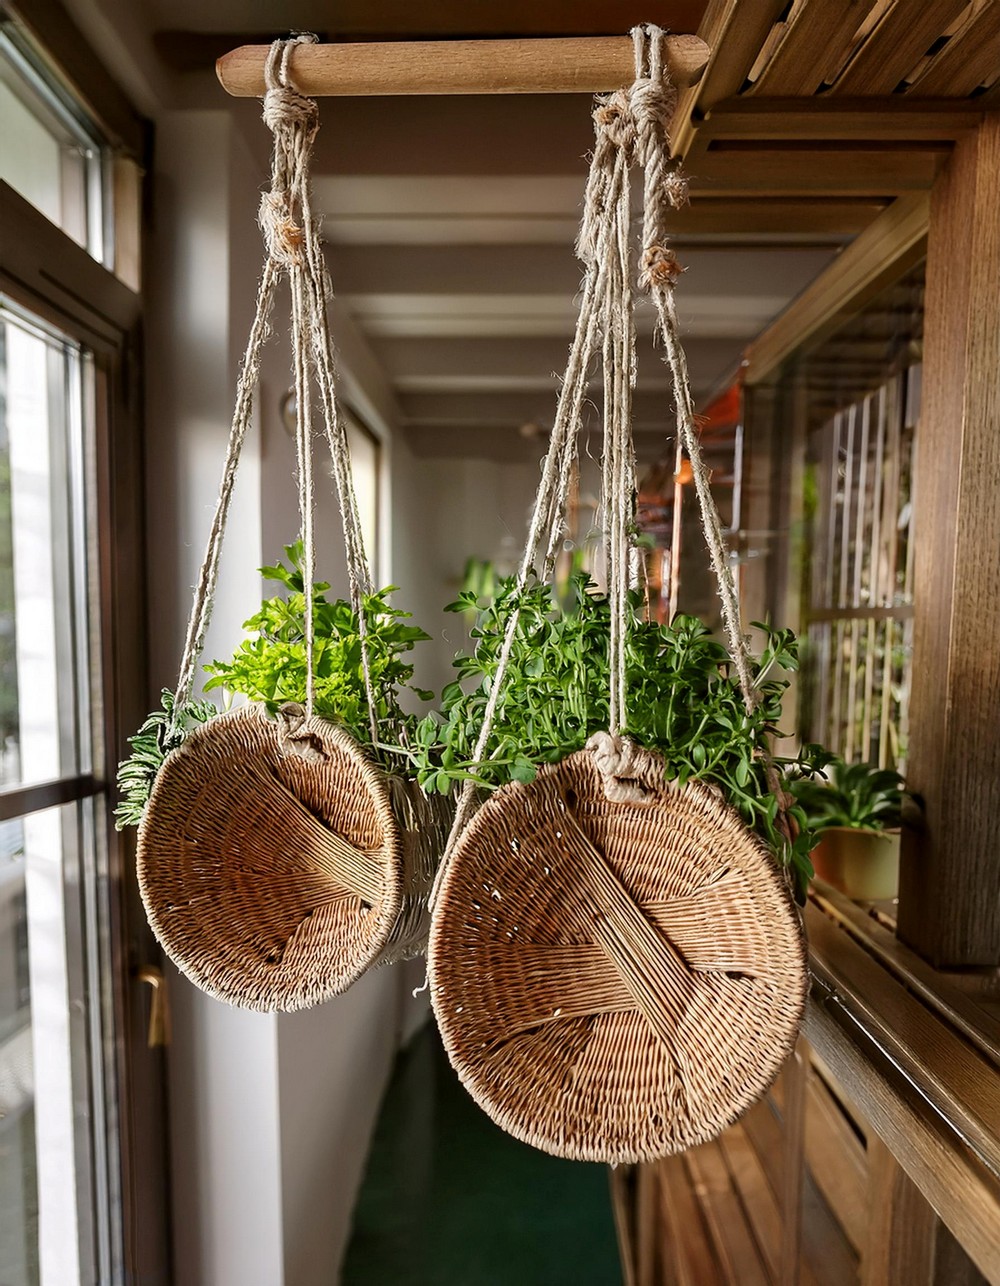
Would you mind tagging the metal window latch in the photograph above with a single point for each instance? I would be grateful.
(159, 1006)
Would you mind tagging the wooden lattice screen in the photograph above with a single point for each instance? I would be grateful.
(859, 511)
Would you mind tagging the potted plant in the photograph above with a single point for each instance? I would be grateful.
(282, 852)
(684, 703)
(856, 809)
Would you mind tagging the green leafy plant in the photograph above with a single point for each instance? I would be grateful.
(683, 702)
(160, 734)
(859, 796)
(271, 666)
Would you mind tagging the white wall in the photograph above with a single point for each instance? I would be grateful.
(223, 1064)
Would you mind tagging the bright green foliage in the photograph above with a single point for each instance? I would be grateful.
(271, 667)
(682, 702)
(857, 795)
(160, 734)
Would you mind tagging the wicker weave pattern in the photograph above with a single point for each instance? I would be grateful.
(273, 880)
(614, 982)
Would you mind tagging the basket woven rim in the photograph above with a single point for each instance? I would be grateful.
(375, 780)
(749, 1092)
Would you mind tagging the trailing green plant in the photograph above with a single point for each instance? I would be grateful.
(270, 667)
(859, 796)
(160, 734)
(682, 702)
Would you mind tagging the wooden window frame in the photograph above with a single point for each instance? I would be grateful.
(44, 271)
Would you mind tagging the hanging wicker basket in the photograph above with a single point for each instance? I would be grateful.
(614, 981)
(277, 863)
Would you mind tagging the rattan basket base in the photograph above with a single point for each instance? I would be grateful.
(272, 880)
(614, 981)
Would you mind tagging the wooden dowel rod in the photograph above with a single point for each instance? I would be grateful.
(586, 64)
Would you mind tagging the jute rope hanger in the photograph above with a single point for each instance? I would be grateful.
(631, 128)
(293, 249)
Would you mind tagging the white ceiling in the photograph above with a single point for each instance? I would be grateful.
(451, 220)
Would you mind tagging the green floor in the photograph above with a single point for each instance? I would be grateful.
(450, 1200)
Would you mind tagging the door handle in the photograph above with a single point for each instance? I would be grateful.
(159, 1006)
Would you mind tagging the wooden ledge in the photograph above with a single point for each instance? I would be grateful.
(930, 1091)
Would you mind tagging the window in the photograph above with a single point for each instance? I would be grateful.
(49, 151)
(365, 467)
(74, 1080)
(55, 1002)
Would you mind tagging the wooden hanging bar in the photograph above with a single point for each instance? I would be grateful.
(577, 65)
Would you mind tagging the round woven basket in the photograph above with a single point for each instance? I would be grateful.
(614, 981)
(277, 863)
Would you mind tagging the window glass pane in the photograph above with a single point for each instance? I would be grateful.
(49, 151)
(18, 1184)
(44, 380)
(365, 466)
(53, 1117)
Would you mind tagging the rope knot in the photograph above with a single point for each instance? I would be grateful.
(284, 236)
(652, 103)
(613, 118)
(286, 109)
(294, 737)
(660, 268)
(619, 761)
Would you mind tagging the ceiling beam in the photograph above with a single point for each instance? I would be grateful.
(545, 270)
(733, 171)
(510, 410)
(483, 365)
(900, 118)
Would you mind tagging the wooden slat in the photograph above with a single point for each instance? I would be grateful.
(758, 1201)
(968, 59)
(898, 118)
(900, 1249)
(734, 31)
(735, 171)
(902, 36)
(688, 1245)
(949, 905)
(827, 1257)
(739, 1257)
(793, 1112)
(819, 32)
(836, 1159)
(622, 1183)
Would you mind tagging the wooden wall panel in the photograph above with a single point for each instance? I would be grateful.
(950, 876)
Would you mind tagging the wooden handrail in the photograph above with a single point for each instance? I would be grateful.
(573, 65)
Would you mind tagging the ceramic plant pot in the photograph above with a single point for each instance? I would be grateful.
(864, 864)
